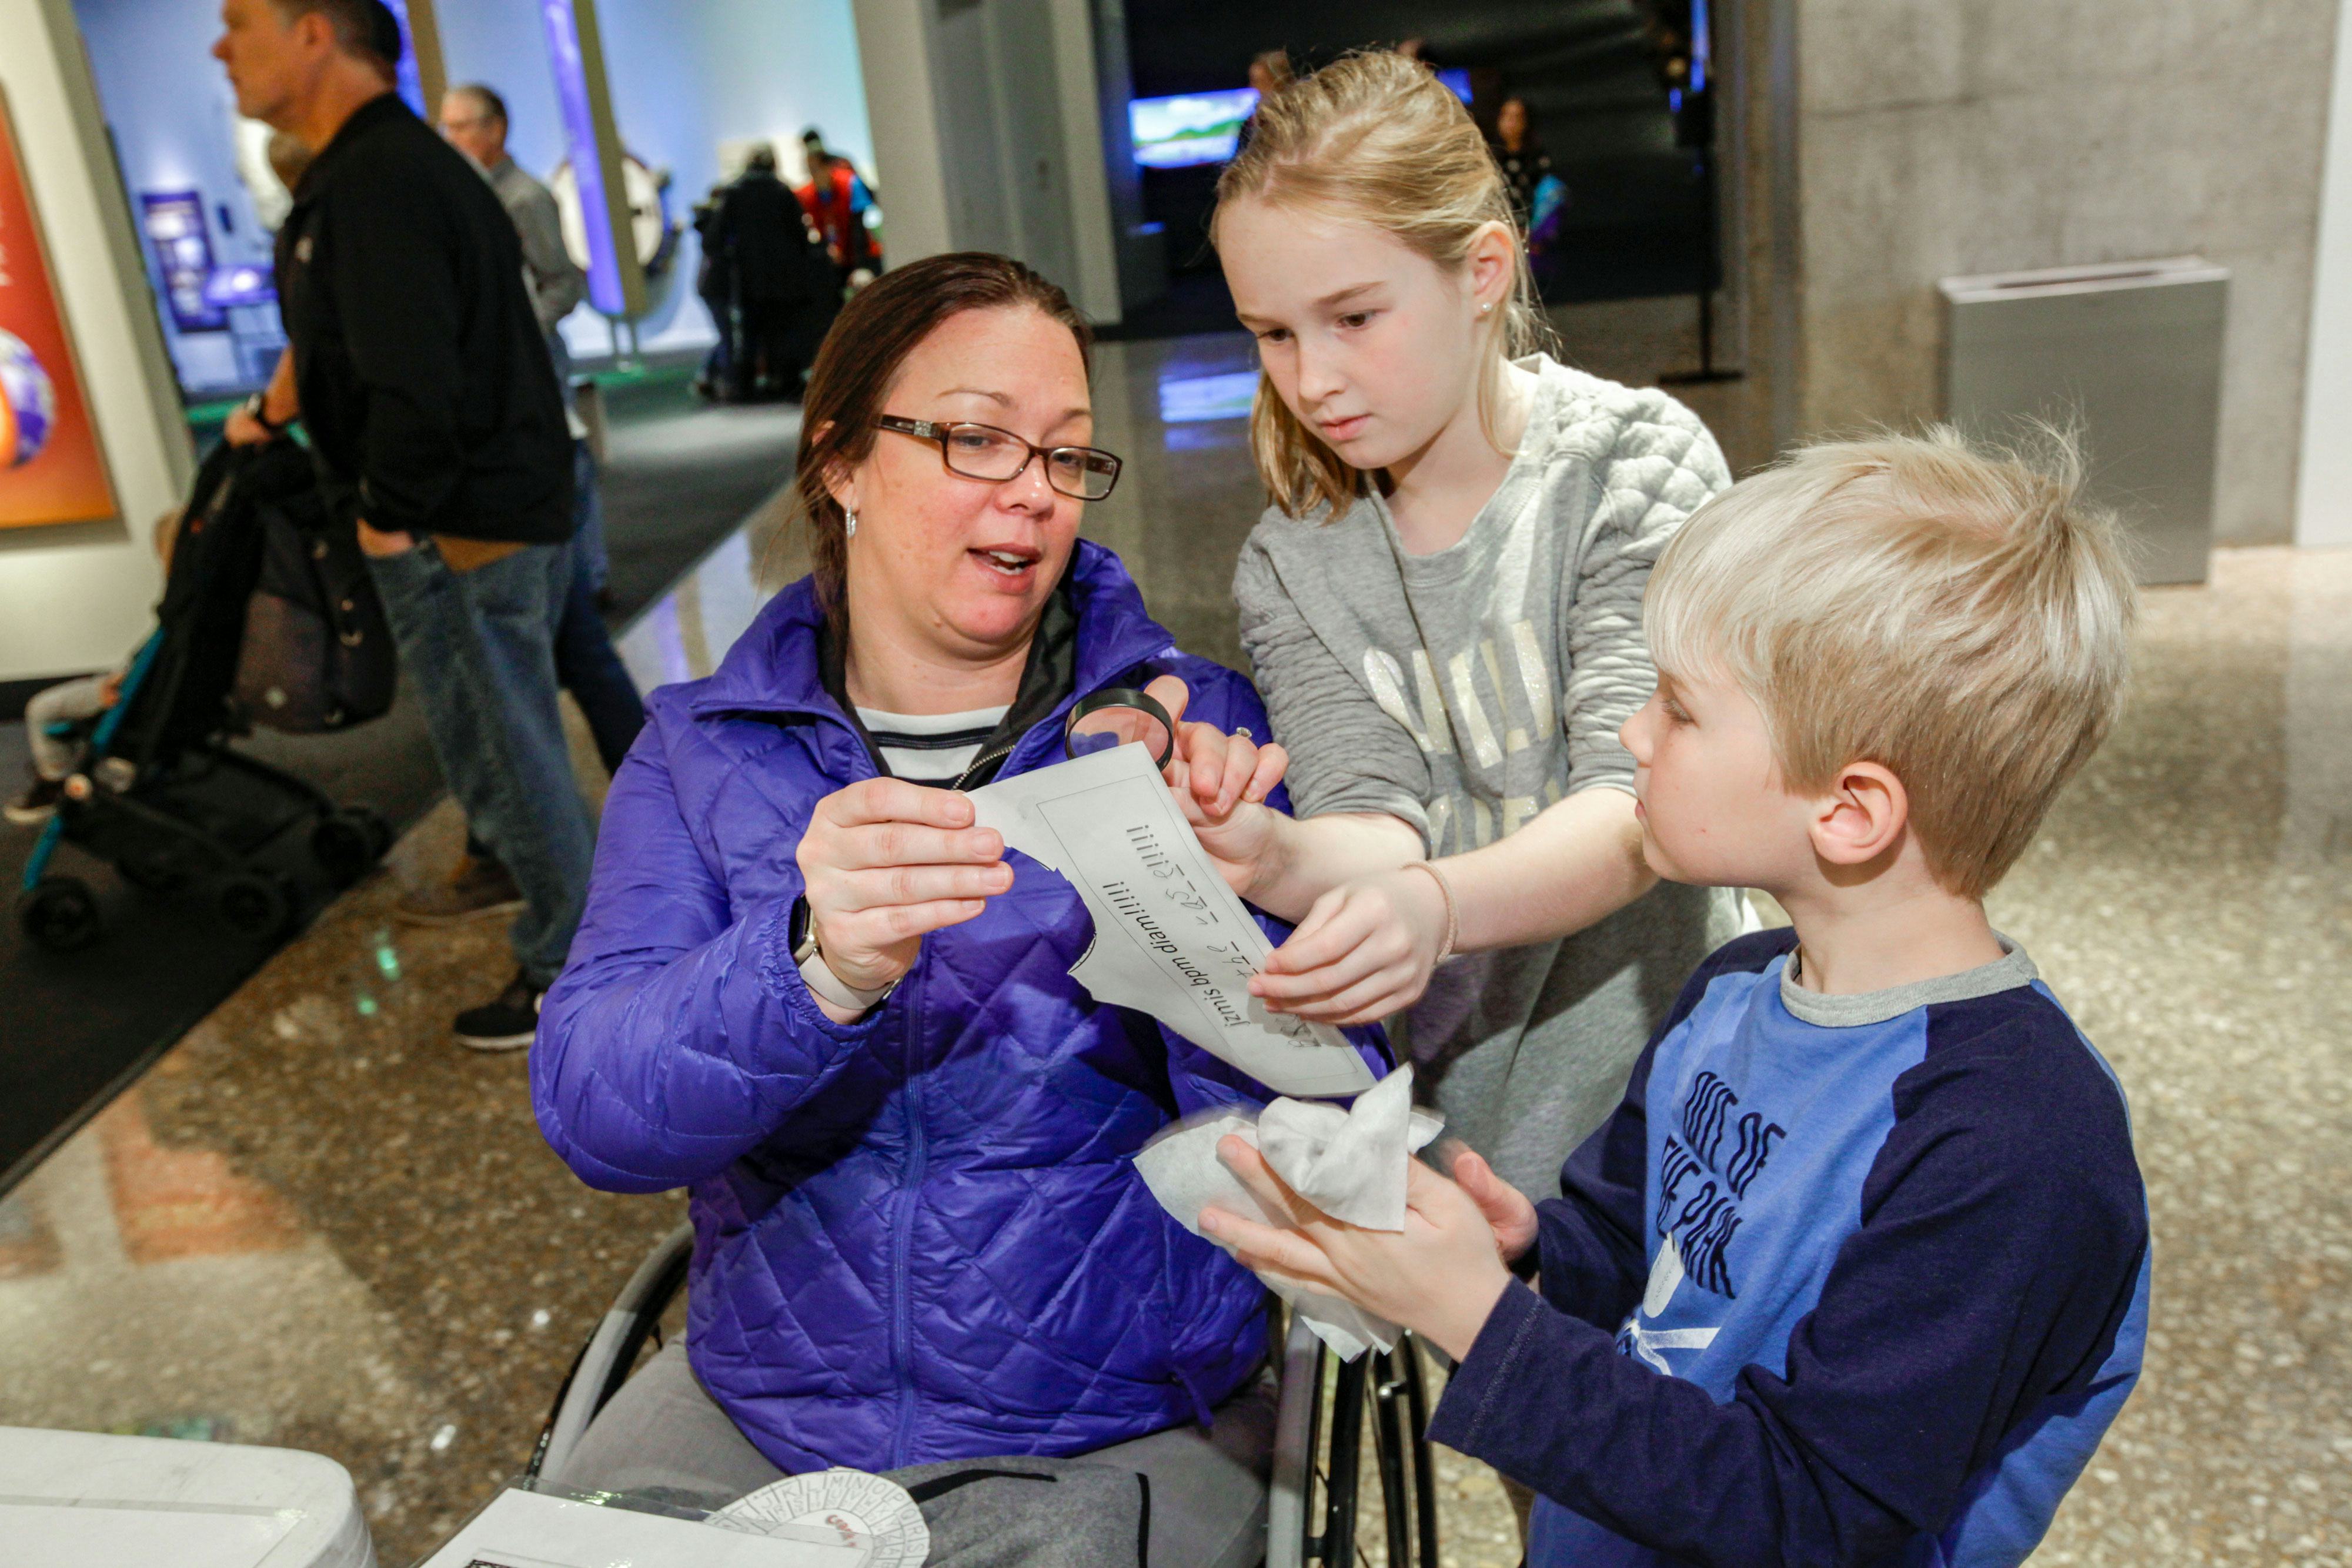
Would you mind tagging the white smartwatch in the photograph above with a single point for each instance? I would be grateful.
(818, 975)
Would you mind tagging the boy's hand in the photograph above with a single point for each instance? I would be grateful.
(1222, 781)
(1508, 1213)
(1440, 1276)
(1365, 950)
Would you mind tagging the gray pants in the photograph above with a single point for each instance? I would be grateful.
(68, 703)
(664, 1433)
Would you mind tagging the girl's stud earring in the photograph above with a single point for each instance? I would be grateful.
(1486, 306)
(849, 526)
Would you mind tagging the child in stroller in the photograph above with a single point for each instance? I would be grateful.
(59, 717)
(267, 616)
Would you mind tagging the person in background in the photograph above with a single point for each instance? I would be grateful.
(762, 232)
(55, 716)
(1269, 72)
(837, 200)
(474, 119)
(1522, 156)
(425, 384)
(714, 285)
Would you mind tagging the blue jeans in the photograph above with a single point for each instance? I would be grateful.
(588, 520)
(590, 670)
(478, 648)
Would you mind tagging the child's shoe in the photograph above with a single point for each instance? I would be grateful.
(38, 804)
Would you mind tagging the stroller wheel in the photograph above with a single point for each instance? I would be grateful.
(256, 905)
(61, 914)
(348, 843)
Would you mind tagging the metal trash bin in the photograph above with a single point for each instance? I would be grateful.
(2130, 355)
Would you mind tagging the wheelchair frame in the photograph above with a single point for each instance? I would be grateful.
(1311, 1507)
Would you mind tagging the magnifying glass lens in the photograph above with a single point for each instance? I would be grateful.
(1116, 715)
(1109, 727)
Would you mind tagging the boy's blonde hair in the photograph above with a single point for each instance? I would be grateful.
(1375, 138)
(1957, 615)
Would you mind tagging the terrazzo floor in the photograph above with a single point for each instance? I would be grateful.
(319, 1224)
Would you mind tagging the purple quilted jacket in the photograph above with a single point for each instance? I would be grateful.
(918, 1237)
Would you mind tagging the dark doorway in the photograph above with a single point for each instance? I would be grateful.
(1607, 87)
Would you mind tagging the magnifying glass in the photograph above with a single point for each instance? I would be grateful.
(1116, 715)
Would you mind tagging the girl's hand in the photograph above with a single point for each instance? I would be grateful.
(1440, 1276)
(1364, 951)
(885, 861)
(1222, 781)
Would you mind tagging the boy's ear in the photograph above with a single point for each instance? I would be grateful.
(1862, 815)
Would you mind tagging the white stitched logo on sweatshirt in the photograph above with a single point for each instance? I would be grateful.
(1490, 738)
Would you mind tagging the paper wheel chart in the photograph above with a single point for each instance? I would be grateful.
(868, 1512)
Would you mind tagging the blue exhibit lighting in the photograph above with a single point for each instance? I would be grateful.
(1184, 129)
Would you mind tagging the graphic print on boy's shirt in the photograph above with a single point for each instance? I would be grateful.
(1762, 1128)
(1696, 1211)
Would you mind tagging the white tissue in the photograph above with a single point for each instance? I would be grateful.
(1349, 1163)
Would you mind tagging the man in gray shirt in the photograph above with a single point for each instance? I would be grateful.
(474, 121)
(473, 118)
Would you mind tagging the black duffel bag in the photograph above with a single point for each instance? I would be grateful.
(317, 653)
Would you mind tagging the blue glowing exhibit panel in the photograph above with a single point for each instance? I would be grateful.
(1189, 128)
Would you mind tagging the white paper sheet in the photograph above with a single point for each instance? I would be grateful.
(1171, 939)
(1349, 1163)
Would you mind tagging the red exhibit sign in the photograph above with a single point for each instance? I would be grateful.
(50, 468)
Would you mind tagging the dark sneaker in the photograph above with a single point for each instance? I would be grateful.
(38, 804)
(477, 889)
(507, 1023)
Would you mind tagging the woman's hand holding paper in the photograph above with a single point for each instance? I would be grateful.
(885, 861)
(1440, 1276)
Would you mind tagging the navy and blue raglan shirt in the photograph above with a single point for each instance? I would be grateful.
(1844, 1280)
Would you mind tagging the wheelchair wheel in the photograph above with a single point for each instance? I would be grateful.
(61, 914)
(348, 843)
(256, 905)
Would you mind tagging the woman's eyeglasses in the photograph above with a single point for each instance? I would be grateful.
(984, 452)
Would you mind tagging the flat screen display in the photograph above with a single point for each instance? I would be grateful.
(1189, 128)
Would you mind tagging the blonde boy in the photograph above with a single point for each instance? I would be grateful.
(1858, 1271)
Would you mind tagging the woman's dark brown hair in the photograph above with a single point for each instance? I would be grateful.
(859, 365)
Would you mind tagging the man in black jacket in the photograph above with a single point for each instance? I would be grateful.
(762, 235)
(433, 411)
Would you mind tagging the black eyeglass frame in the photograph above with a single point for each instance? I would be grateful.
(940, 429)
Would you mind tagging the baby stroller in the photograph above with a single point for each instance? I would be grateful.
(267, 616)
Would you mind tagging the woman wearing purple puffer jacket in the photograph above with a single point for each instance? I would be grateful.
(808, 989)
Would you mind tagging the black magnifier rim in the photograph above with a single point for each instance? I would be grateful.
(1120, 696)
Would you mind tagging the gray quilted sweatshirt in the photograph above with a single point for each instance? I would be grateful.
(1465, 691)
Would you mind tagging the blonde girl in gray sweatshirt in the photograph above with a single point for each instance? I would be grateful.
(1443, 604)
